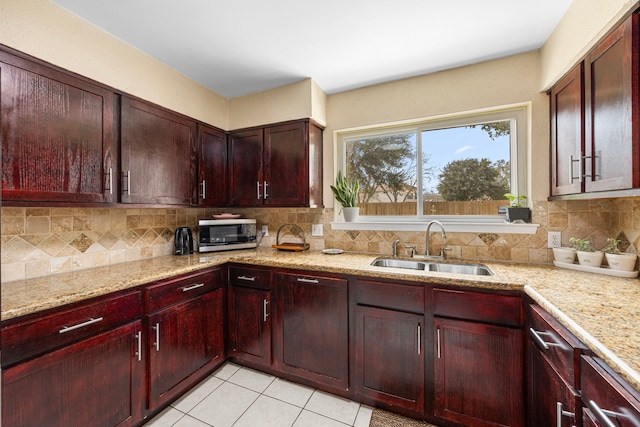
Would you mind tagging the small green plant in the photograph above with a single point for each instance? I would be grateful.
(515, 201)
(582, 245)
(346, 191)
(612, 247)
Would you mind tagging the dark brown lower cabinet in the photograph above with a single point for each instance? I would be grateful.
(390, 357)
(250, 325)
(311, 333)
(185, 338)
(97, 382)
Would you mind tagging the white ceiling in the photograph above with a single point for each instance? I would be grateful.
(236, 47)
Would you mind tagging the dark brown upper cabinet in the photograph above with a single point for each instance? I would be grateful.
(159, 155)
(595, 120)
(212, 185)
(59, 135)
(279, 165)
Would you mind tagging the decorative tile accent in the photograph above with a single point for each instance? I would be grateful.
(82, 242)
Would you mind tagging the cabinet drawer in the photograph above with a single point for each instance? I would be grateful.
(259, 278)
(390, 295)
(605, 396)
(476, 306)
(169, 292)
(561, 347)
(22, 340)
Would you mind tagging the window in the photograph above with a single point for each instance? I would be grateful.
(458, 166)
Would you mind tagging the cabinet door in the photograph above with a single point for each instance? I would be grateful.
(58, 135)
(286, 166)
(390, 357)
(611, 87)
(98, 382)
(549, 396)
(212, 191)
(183, 339)
(478, 376)
(567, 133)
(158, 155)
(246, 183)
(250, 325)
(312, 338)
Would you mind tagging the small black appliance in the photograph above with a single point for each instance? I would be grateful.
(183, 241)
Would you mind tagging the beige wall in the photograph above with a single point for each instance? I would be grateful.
(44, 30)
(585, 22)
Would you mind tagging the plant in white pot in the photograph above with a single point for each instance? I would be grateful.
(618, 260)
(586, 254)
(346, 193)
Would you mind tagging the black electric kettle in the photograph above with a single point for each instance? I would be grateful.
(183, 241)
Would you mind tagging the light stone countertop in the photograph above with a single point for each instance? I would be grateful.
(602, 311)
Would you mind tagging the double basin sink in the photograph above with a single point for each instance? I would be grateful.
(439, 267)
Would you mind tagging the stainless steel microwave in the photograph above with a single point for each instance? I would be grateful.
(226, 234)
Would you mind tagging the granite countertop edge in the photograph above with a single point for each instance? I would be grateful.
(576, 299)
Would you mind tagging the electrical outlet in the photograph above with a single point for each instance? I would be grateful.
(554, 239)
(265, 230)
(316, 230)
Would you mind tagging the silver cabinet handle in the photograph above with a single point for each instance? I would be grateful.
(537, 336)
(419, 338)
(91, 321)
(561, 413)
(264, 310)
(204, 189)
(438, 336)
(139, 343)
(571, 162)
(128, 189)
(264, 188)
(157, 329)
(258, 185)
(110, 180)
(192, 287)
(603, 415)
(305, 280)
(582, 173)
(247, 278)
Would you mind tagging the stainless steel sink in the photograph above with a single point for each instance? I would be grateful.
(440, 267)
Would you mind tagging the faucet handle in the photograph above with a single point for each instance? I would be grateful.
(413, 249)
(444, 248)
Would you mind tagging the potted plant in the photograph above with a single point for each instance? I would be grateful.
(616, 259)
(516, 210)
(346, 193)
(586, 254)
(564, 254)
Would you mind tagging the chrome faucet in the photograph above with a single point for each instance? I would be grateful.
(395, 248)
(444, 236)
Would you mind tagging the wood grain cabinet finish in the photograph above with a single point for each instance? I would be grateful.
(158, 155)
(595, 118)
(311, 328)
(279, 165)
(478, 361)
(553, 371)
(186, 335)
(96, 379)
(59, 135)
(212, 185)
(250, 315)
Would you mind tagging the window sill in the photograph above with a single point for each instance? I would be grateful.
(459, 227)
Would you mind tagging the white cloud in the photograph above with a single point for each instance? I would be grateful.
(465, 148)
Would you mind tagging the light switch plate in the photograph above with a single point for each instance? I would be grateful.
(316, 230)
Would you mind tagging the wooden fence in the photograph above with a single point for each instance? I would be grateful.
(489, 207)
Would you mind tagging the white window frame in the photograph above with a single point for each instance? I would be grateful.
(518, 114)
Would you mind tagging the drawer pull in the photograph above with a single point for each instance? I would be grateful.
(305, 280)
(537, 337)
(192, 287)
(91, 321)
(603, 414)
(247, 278)
(562, 413)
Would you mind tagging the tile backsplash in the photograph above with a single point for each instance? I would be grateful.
(41, 241)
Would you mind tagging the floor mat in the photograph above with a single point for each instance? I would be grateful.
(381, 418)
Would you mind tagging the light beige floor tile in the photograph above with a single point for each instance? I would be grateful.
(226, 370)
(253, 380)
(188, 421)
(364, 416)
(224, 405)
(269, 412)
(195, 396)
(311, 419)
(289, 392)
(334, 407)
(166, 418)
